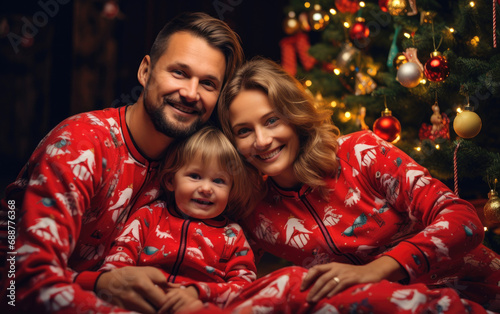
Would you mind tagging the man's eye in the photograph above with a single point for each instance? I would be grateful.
(209, 84)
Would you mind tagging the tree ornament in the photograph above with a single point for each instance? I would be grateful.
(436, 69)
(410, 73)
(492, 207)
(346, 56)
(383, 5)
(467, 124)
(359, 31)
(364, 84)
(393, 50)
(347, 6)
(318, 18)
(291, 24)
(110, 9)
(292, 46)
(399, 60)
(439, 127)
(387, 127)
(397, 7)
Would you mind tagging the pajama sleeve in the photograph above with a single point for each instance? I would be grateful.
(239, 271)
(128, 245)
(59, 181)
(449, 226)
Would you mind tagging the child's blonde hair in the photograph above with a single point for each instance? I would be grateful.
(210, 144)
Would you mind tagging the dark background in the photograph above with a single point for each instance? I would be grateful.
(59, 58)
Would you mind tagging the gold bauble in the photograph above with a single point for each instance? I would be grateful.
(492, 208)
(467, 124)
(399, 60)
(397, 7)
(318, 18)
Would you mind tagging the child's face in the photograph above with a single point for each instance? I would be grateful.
(201, 192)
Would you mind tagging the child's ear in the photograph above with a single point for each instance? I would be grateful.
(169, 183)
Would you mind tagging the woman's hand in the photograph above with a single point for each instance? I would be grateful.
(330, 279)
(133, 288)
(179, 298)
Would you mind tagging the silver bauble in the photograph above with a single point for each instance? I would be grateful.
(409, 74)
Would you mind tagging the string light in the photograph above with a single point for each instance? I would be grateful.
(423, 81)
(333, 104)
(459, 110)
(362, 4)
(451, 29)
(472, 4)
(307, 5)
(332, 11)
(336, 71)
(418, 148)
(485, 228)
(308, 83)
(347, 25)
(407, 35)
(347, 114)
(437, 146)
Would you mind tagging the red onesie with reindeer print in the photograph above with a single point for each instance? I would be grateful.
(211, 254)
(381, 203)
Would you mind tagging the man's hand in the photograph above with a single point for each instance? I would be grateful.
(133, 288)
(332, 278)
(180, 298)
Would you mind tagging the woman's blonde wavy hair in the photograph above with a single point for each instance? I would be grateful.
(316, 159)
(211, 146)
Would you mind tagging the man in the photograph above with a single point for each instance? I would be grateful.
(95, 169)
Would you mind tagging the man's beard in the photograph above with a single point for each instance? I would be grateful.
(169, 128)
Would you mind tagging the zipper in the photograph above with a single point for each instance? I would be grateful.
(136, 196)
(182, 251)
(324, 231)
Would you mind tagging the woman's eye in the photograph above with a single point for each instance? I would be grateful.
(272, 120)
(242, 131)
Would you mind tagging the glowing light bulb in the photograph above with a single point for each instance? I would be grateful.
(307, 5)
(333, 104)
(336, 71)
(332, 11)
(472, 4)
(347, 25)
(362, 4)
(407, 35)
(308, 83)
(418, 148)
(437, 146)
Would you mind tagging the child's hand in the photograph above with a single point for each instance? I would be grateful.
(179, 298)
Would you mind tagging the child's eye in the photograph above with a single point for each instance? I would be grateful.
(194, 176)
(219, 181)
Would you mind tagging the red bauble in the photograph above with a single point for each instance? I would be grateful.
(436, 69)
(387, 127)
(347, 6)
(359, 30)
(383, 5)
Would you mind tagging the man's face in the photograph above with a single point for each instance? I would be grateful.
(182, 88)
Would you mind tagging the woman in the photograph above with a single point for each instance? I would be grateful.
(352, 209)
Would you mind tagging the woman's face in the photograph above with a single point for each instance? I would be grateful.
(268, 142)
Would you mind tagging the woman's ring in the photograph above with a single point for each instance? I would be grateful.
(336, 279)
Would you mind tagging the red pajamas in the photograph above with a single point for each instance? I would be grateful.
(72, 199)
(212, 255)
(381, 203)
(279, 292)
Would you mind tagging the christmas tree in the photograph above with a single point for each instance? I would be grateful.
(424, 75)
